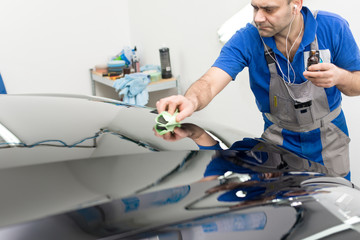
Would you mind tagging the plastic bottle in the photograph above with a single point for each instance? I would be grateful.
(135, 61)
(165, 63)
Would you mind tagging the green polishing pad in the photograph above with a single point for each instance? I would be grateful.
(165, 122)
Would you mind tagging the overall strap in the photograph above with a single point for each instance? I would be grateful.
(314, 45)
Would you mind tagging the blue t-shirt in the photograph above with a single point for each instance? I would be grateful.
(245, 49)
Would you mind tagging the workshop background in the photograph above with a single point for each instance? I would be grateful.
(49, 47)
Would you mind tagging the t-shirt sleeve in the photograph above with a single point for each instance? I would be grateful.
(347, 54)
(214, 147)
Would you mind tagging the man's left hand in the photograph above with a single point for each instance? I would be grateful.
(324, 75)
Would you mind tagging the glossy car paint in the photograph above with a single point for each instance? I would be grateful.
(92, 168)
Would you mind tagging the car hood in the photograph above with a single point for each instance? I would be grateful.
(92, 168)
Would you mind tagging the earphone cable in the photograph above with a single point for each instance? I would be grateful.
(289, 65)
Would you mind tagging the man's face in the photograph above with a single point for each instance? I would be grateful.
(272, 16)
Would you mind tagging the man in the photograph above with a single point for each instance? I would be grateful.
(301, 104)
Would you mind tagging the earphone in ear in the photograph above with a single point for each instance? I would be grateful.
(295, 7)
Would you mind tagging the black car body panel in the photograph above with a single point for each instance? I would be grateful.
(91, 168)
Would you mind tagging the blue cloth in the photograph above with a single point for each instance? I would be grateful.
(2, 86)
(133, 88)
(150, 67)
(245, 49)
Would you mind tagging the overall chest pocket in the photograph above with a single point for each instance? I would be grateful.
(325, 56)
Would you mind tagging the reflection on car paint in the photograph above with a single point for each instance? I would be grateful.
(76, 144)
(253, 190)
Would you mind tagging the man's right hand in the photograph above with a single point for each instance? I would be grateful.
(185, 107)
(197, 96)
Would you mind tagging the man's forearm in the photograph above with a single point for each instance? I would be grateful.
(207, 87)
(199, 94)
(350, 83)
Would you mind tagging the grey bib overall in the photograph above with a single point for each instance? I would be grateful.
(302, 108)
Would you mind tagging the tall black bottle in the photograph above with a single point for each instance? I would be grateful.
(165, 63)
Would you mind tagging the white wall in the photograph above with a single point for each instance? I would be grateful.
(49, 46)
(189, 28)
